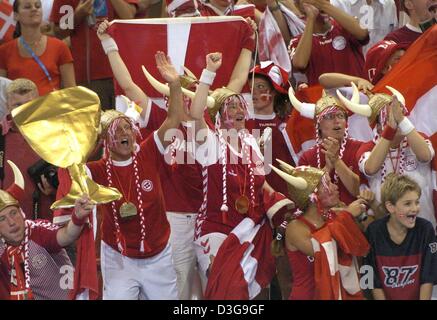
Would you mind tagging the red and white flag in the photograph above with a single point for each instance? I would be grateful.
(336, 246)
(272, 46)
(243, 265)
(186, 40)
(415, 76)
(7, 22)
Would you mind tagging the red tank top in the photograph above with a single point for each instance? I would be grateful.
(302, 267)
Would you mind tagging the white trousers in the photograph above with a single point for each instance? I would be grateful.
(127, 278)
(184, 258)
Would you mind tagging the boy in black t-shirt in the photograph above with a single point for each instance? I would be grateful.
(403, 251)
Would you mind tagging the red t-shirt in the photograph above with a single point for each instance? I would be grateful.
(55, 55)
(182, 181)
(157, 227)
(18, 151)
(82, 35)
(279, 148)
(403, 35)
(335, 51)
(309, 158)
(237, 184)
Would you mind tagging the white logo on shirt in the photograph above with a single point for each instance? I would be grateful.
(232, 173)
(39, 261)
(339, 43)
(410, 163)
(147, 185)
(433, 247)
(399, 277)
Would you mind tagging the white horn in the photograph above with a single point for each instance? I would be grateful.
(355, 93)
(189, 73)
(398, 95)
(307, 110)
(362, 109)
(160, 87)
(297, 182)
(285, 165)
(18, 177)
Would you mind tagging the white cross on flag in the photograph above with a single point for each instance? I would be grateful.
(185, 40)
(7, 22)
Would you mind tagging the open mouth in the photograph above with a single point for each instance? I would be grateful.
(337, 128)
(239, 118)
(124, 142)
(411, 217)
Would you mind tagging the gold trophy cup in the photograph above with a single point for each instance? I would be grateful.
(62, 128)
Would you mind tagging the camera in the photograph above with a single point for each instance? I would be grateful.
(49, 171)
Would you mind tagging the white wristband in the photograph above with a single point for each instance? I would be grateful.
(207, 77)
(406, 126)
(109, 45)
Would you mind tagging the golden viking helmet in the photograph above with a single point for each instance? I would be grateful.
(219, 95)
(6, 198)
(312, 111)
(301, 181)
(376, 103)
(107, 117)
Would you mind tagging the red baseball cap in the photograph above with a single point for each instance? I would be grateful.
(278, 77)
(377, 57)
(180, 8)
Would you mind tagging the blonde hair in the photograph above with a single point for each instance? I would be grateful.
(394, 188)
(21, 86)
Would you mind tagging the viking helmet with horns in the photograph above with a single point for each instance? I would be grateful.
(14, 193)
(376, 103)
(302, 181)
(313, 111)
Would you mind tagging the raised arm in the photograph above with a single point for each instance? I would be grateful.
(242, 67)
(302, 54)
(81, 12)
(124, 9)
(119, 69)
(336, 80)
(213, 62)
(382, 147)
(280, 19)
(175, 111)
(69, 233)
(416, 142)
(345, 20)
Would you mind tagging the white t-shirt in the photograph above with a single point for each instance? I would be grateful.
(380, 17)
(418, 171)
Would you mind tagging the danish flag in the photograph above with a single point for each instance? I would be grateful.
(7, 22)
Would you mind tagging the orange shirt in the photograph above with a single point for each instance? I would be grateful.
(56, 54)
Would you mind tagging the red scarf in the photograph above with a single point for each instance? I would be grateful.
(18, 280)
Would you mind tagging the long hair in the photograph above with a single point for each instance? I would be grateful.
(17, 32)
